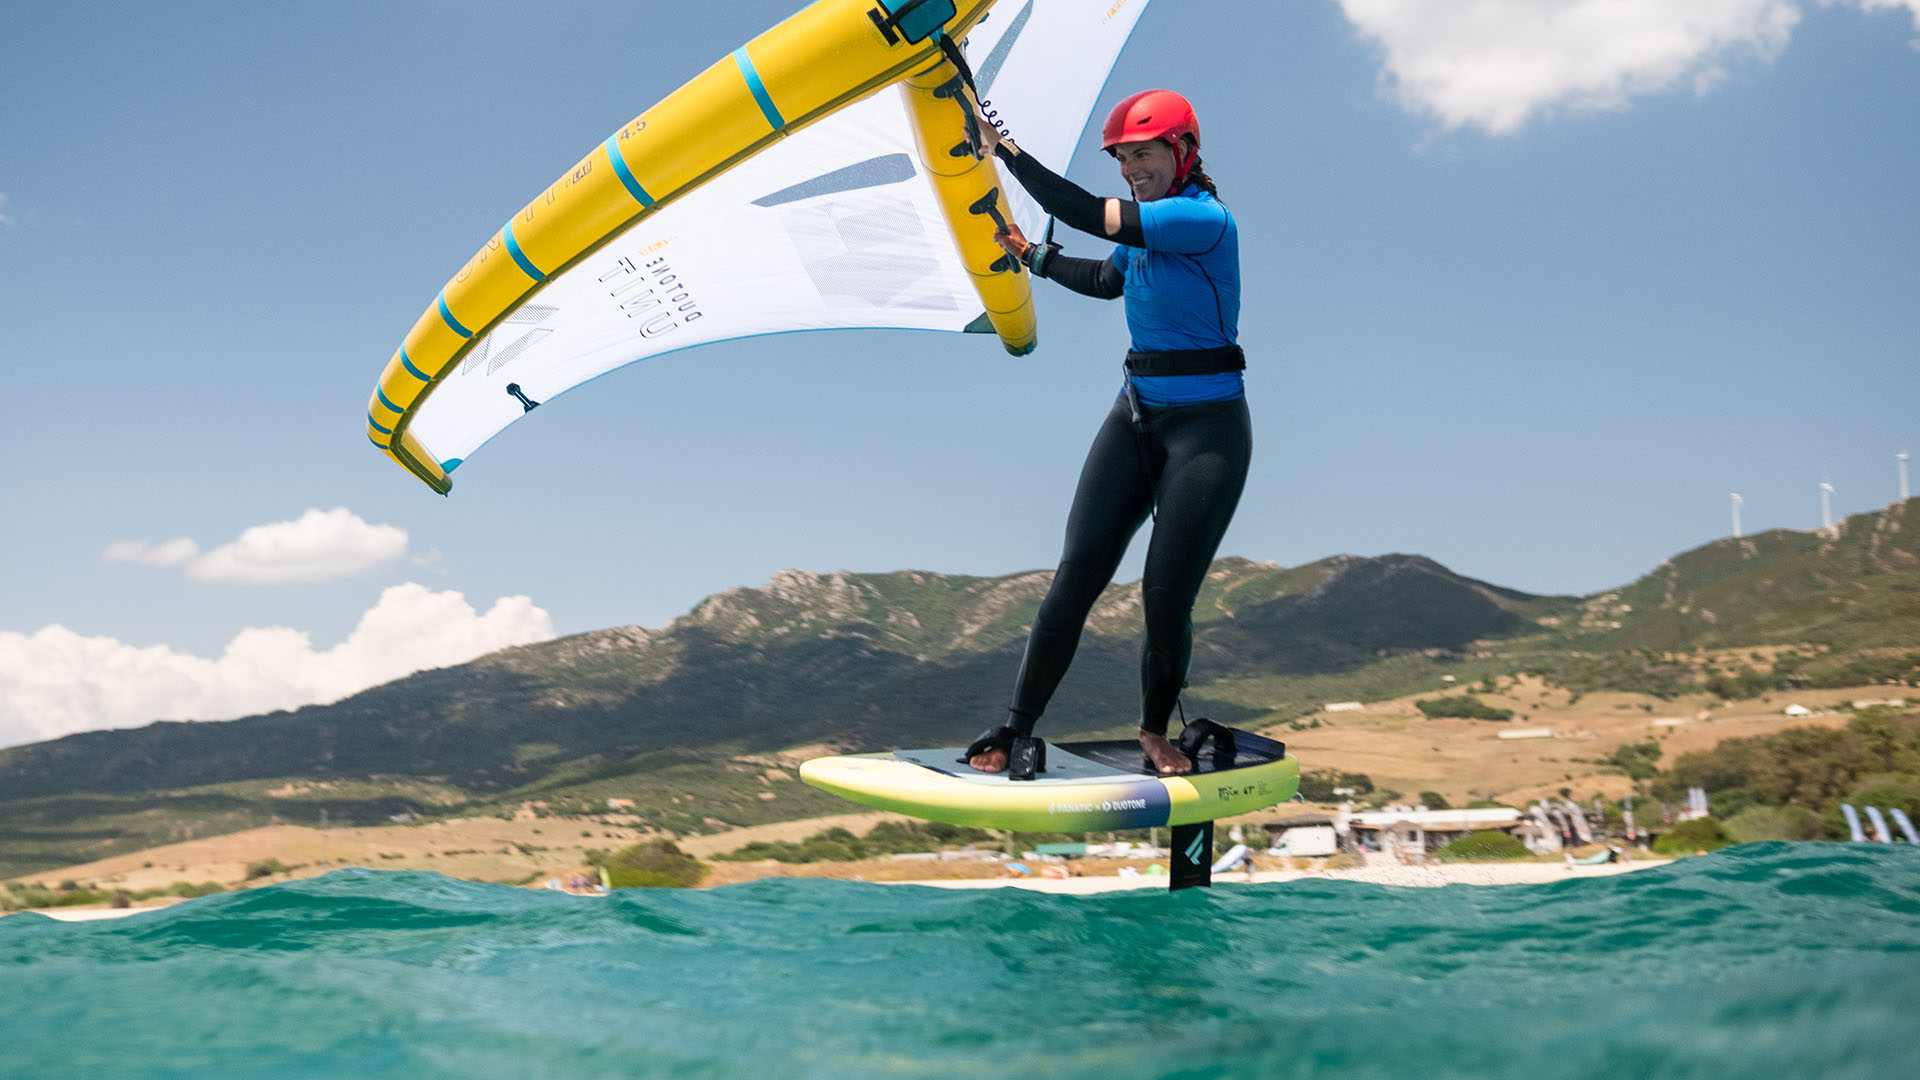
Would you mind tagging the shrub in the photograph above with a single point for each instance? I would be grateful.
(1433, 800)
(1464, 706)
(654, 864)
(1318, 785)
(821, 849)
(897, 836)
(1903, 792)
(1698, 834)
(1486, 846)
(779, 850)
(886, 838)
(1729, 803)
(1758, 823)
(1640, 761)
(1745, 683)
(265, 868)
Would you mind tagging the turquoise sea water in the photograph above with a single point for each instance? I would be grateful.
(1769, 960)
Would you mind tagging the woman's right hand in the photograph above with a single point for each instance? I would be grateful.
(989, 136)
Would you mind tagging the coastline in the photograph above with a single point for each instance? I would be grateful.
(1431, 876)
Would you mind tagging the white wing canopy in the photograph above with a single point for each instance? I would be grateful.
(835, 226)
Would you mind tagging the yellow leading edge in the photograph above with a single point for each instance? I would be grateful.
(827, 56)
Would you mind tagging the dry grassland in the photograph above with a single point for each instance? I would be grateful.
(1391, 741)
(1463, 760)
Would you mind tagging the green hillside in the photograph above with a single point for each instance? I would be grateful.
(675, 718)
(1857, 586)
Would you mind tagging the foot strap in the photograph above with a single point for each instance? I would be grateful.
(1198, 732)
(994, 738)
(1026, 754)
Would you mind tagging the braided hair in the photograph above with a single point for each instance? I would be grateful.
(1197, 175)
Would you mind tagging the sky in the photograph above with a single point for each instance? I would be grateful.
(1530, 287)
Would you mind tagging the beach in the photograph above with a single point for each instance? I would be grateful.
(1376, 872)
(1379, 871)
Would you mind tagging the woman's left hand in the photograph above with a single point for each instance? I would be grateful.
(1013, 241)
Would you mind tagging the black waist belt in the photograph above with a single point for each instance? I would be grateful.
(1187, 361)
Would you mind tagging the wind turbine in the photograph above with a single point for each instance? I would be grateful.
(1901, 457)
(1826, 506)
(1737, 500)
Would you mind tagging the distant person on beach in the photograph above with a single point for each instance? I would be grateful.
(1176, 444)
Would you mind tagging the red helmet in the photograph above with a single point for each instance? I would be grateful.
(1154, 114)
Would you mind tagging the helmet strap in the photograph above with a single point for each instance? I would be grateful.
(1182, 165)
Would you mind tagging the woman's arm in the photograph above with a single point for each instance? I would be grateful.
(1097, 278)
(1074, 205)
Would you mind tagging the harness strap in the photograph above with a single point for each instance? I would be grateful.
(1216, 361)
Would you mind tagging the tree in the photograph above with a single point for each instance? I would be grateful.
(1698, 834)
(654, 864)
(1464, 706)
(1640, 761)
(1487, 846)
(1774, 823)
(1318, 785)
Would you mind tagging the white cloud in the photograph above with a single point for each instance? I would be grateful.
(166, 553)
(318, 545)
(1912, 6)
(4, 219)
(55, 682)
(1495, 64)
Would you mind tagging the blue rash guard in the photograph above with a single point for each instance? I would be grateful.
(1183, 292)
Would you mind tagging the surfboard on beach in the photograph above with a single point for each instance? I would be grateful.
(1087, 787)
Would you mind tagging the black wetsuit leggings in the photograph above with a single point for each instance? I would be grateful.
(1191, 462)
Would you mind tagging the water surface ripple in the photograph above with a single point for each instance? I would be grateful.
(1770, 960)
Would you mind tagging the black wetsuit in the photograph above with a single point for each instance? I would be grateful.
(1175, 445)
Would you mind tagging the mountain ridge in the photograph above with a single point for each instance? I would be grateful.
(859, 661)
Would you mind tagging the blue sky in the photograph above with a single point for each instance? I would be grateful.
(1530, 288)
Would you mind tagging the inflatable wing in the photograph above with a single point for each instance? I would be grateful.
(785, 188)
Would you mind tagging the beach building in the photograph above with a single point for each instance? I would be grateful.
(1305, 835)
(1420, 830)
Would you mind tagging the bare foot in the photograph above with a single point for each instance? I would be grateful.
(991, 761)
(1165, 758)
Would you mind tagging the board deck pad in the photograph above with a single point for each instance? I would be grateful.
(1087, 786)
(1074, 763)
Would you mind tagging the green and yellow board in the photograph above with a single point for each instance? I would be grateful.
(1088, 787)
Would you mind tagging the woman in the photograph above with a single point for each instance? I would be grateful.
(1178, 439)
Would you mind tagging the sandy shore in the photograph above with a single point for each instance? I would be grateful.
(1431, 876)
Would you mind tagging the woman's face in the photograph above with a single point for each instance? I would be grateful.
(1147, 167)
